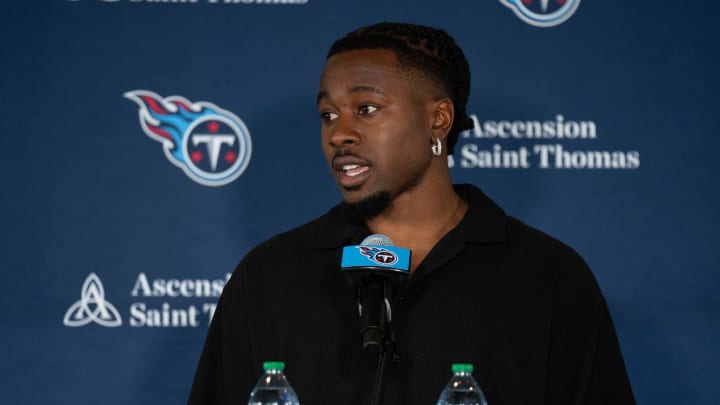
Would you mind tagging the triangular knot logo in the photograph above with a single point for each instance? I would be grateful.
(92, 307)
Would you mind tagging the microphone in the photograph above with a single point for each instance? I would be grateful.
(375, 269)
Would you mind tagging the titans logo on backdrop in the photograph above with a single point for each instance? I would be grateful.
(211, 145)
(543, 13)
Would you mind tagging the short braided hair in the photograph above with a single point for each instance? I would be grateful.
(429, 51)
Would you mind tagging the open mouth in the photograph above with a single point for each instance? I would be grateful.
(351, 171)
(354, 170)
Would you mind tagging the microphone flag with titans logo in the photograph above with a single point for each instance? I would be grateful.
(375, 269)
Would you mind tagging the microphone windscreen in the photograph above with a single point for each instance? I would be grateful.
(377, 240)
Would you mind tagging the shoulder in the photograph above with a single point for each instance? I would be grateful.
(488, 226)
(274, 259)
(521, 251)
(288, 244)
(540, 246)
(301, 237)
(550, 258)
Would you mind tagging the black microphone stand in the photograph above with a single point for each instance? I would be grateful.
(375, 287)
(377, 335)
(384, 359)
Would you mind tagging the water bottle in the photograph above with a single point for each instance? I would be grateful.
(273, 388)
(462, 388)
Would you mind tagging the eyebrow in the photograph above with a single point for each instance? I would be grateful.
(357, 89)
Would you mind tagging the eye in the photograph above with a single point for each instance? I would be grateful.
(367, 109)
(328, 116)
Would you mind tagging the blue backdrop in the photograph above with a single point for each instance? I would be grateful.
(601, 131)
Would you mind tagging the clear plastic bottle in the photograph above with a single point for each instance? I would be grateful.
(273, 388)
(462, 388)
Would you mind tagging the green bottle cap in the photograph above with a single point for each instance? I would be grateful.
(274, 365)
(462, 368)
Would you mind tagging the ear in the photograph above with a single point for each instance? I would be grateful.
(442, 118)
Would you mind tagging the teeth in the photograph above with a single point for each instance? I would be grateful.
(354, 170)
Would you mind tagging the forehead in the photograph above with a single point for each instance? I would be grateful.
(376, 68)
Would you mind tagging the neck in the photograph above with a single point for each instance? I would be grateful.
(420, 217)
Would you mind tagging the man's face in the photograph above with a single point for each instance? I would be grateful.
(375, 124)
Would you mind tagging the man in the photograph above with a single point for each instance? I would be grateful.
(484, 288)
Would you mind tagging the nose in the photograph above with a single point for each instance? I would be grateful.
(344, 133)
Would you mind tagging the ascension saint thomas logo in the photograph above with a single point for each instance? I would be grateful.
(211, 145)
(92, 306)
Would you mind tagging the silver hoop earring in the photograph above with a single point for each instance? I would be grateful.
(437, 148)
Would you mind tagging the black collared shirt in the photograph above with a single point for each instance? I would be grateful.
(521, 306)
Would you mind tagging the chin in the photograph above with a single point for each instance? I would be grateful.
(367, 206)
(354, 194)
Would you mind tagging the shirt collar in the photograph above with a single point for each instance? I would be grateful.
(484, 222)
(336, 230)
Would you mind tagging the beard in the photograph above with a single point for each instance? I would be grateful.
(367, 208)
